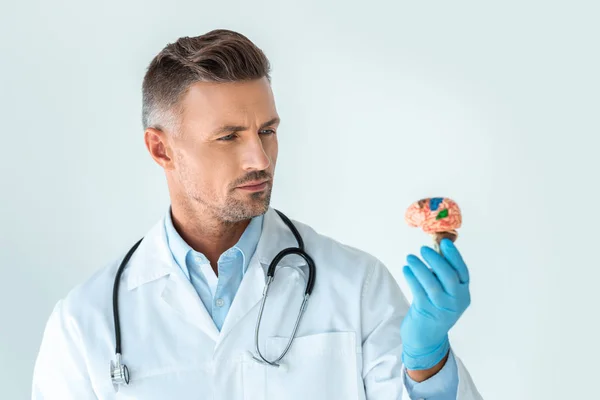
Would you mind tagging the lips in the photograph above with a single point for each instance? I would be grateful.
(254, 184)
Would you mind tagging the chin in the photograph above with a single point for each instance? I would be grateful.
(259, 208)
(241, 210)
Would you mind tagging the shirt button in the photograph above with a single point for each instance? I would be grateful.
(220, 302)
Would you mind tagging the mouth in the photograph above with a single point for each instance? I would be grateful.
(254, 186)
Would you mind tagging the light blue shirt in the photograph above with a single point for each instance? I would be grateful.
(217, 294)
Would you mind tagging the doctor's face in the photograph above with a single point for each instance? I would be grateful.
(227, 141)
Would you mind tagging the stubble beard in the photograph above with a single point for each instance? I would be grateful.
(236, 210)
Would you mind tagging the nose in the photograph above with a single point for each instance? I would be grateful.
(255, 156)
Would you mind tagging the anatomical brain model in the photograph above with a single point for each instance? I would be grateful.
(438, 216)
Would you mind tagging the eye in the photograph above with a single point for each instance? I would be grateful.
(232, 136)
(227, 138)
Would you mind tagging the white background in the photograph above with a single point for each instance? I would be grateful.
(494, 104)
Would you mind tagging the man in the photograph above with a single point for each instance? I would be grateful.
(189, 296)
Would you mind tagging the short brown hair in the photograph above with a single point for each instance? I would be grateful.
(218, 56)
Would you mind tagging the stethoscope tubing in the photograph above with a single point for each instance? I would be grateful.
(121, 369)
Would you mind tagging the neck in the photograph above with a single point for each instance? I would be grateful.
(205, 233)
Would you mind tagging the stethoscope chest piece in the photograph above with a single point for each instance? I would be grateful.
(119, 373)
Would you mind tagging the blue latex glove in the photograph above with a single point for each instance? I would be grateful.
(440, 296)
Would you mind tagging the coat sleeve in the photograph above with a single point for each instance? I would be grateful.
(383, 307)
(60, 371)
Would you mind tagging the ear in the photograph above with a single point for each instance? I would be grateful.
(158, 146)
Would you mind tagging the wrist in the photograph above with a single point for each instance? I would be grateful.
(425, 358)
(422, 375)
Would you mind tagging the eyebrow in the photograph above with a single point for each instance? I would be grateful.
(238, 128)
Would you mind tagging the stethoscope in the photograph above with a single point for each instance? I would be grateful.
(119, 372)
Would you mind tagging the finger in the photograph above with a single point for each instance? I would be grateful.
(419, 294)
(444, 271)
(455, 259)
(425, 276)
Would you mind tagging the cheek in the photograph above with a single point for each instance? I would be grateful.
(219, 172)
(198, 168)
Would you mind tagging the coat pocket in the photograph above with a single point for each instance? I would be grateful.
(317, 366)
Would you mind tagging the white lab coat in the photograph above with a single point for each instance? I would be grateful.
(347, 347)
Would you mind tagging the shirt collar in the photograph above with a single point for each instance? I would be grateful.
(246, 245)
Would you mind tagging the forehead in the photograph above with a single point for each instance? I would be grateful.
(208, 105)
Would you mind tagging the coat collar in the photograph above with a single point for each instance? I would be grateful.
(153, 259)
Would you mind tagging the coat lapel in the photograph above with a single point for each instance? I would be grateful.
(153, 260)
(180, 295)
(275, 236)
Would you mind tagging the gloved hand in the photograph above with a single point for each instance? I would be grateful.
(440, 296)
